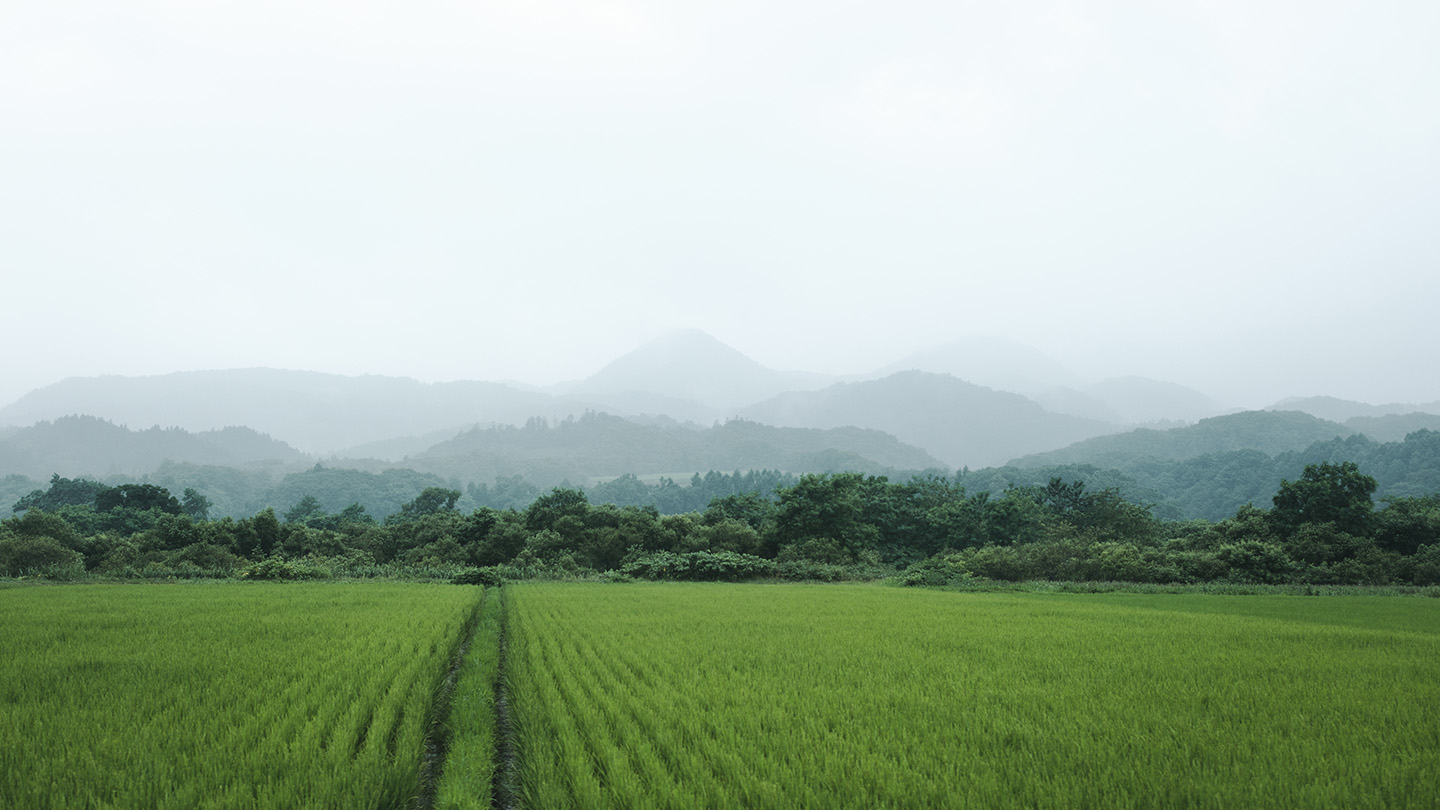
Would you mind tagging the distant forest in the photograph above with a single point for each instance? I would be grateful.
(1180, 474)
(1321, 527)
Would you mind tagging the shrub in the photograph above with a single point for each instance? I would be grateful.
(941, 569)
(279, 568)
(697, 566)
(39, 556)
(490, 576)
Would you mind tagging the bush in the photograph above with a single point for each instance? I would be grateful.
(280, 568)
(942, 569)
(1425, 565)
(810, 571)
(709, 566)
(206, 558)
(490, 576)
(39, 556)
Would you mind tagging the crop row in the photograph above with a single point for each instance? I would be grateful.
(683, 696)
(648, 695)
(222, 695)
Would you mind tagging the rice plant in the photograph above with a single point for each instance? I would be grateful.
(721, 696)
(234, 695)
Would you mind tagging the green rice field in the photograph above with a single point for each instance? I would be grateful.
(674, 695)
(712, 695)
(233, 695)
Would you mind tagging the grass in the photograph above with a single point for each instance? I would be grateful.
(232, 695)
(469, 773)
(709, 695)
(698, 695)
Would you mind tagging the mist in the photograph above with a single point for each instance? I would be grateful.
(1233, 197)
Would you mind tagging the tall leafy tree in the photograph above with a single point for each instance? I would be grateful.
(1326, 493)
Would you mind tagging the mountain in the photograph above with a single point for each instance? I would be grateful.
(600, 445)
(400, 446)
(1137, 400)
(1268, 432)
(689, 366)
(1004, 365)
(312, 411)
(1341, 410)
(1393, 427)
(957, 421)
(85, 445)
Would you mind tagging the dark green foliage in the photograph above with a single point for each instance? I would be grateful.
(1405, 524)
(823, 527)
(38, 556)
(37, 523)
(62, 492)
(550, 511)
(489, 576)
(431, 501)
(827, 507)
(206, 557)
(280, 568)
(1326, 493)
(697, 566)
(139, 497)
(197, 506)
(382, 494)
(267, 532)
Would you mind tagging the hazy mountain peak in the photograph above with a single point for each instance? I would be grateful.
(993, 362)
(692, 365)
(1340, 410)
(1142, 399)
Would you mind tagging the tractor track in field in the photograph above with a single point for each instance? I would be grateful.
(507, 764)
(437, 738)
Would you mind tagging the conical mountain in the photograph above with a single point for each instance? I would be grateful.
(693, 366)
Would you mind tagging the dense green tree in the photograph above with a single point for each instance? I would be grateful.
(39, 523)
(550, 509)
(139, 497)
(305, 510)
(267, 532)
(197, 506)
(1406, 524)
(62, 492)
(826, 506)
(433, 500)
(22, 555)
(1326, 493)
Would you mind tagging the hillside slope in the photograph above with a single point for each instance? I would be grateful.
(961, 423)
(600, 445)
(85, 445)
(1268, 432)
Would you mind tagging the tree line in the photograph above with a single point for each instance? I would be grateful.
(1323, 527)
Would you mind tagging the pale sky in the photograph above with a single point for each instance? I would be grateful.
(1238, 196)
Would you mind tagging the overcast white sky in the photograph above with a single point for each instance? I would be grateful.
(1239, 196)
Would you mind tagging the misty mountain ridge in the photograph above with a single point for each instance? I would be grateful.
(1343, 410)
(86, 445)
(960, 422)
(690, 365)
(686, 376)
(599, 445)
(1268, 432)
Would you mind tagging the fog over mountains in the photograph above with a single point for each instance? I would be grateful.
(972, 403)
